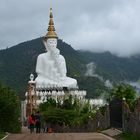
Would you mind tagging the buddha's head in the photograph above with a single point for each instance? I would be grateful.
(50, 39)
(50, 44)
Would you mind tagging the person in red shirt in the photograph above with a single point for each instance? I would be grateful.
(31, 122)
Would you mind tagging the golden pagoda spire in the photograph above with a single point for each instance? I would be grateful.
(51, 30)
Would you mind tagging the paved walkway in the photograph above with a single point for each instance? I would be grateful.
(58, 136)
(112, 132)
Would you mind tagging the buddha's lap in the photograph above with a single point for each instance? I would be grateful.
(65, 81)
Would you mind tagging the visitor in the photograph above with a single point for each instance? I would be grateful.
(38, 122)
(31, 122)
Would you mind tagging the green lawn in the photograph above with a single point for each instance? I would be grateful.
(2, 134)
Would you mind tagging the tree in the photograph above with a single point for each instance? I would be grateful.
(126, 91)
(68, 103)
(9, 110)
(71, 111)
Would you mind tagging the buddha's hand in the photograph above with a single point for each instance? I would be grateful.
(55, 53)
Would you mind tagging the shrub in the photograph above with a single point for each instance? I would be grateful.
(9, 110)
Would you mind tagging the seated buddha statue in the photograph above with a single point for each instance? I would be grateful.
(51, 66)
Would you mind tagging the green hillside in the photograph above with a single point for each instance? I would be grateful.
(115, 68)
(17, 62)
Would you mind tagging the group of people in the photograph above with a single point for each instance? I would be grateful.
(34, 121)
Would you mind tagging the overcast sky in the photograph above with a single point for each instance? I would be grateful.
(95, 25)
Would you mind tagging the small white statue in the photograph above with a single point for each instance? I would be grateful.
(51, 66)
(31, 77)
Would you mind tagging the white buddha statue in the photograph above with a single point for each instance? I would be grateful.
(51, 66)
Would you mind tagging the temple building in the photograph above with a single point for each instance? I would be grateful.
(52, 80)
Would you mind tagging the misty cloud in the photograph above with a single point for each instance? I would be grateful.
(105, 25)
(91, 68)
(91, 72)
(136, 85)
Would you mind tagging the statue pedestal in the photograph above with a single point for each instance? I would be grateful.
(61, 93)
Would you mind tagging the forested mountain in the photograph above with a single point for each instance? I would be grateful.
(115, 68)
(17, 62)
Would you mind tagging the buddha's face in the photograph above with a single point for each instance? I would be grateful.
(51, 44)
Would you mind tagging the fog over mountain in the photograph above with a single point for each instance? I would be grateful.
(105, 25)
(91, 71)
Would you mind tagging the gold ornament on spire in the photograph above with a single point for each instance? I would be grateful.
(51, 30)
